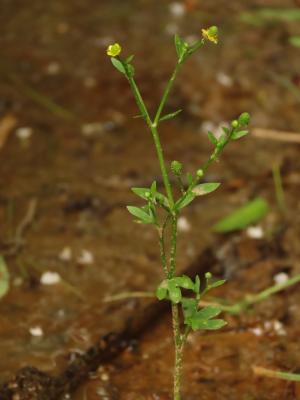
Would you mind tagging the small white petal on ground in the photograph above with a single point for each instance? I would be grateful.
(24, 132)
(36, 331)
(282, 277)
(255, 232)
(85, 258)
(50, 278)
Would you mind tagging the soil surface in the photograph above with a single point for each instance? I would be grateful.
(73, 150)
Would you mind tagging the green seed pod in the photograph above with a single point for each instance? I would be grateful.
(244, 119)
(208, 275)
(176, 167)
(235, 123)
(200, 173)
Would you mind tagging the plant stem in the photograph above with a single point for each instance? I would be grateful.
(172, 271)
(178, 352)
(166, 92)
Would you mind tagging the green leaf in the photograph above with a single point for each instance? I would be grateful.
(189, 307)
(197, 285)
(161, 293)
(142, 215)
(180, 45)
(170, 116)
(212, 324)
(184, 282)
(153, 188)
(208, 312)
(295, 41)
(118, 65)
(186, 199)
(216, 284)
(205, 188)
(174, 293)
(4, 278)
(190, 178)
(144, 193)
(247, 215)
(129, 59)
(212, 138)
(239, 134)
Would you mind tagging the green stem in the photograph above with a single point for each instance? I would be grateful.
(279, 188)
(161, 234)
(166, 92)
(156, 139)
(178, 352)
(172, 272)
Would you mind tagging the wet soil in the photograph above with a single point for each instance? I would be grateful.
(86, 151)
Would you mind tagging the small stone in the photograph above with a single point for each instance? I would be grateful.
(257, 331)
(224, 79)
(36, 331)
(255, 232)
(24, 133)
(183, 225)
(50, 278)
(280, 278)
(85, 258)
(53, 68)
(177, 9)
(66, 254)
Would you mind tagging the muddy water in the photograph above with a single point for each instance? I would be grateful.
(83, 157)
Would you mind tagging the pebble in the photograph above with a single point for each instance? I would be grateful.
(24, 133)
(183, 225)
(282, 277)
(50, 278)
(177, 9)
(224, 79)
(255, 232)
(85, 258)
(36, 331)
(66, 254)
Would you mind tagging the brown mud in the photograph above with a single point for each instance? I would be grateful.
(84, 154)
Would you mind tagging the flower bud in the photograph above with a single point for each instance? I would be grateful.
(235, 123)
(200, 173)
(176, 167)
(244, 119)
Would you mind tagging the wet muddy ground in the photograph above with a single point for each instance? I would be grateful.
(74, 151)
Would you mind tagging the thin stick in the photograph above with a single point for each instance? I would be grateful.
(269, 373)
(281, 136)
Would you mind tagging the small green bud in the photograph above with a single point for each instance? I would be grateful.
(235, 123)
(244, 119)
(147, 194)
(176, 167)
(208, 275)
(200, 173)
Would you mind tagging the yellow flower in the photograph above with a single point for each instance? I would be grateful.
(211, 34)
(114, 50)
